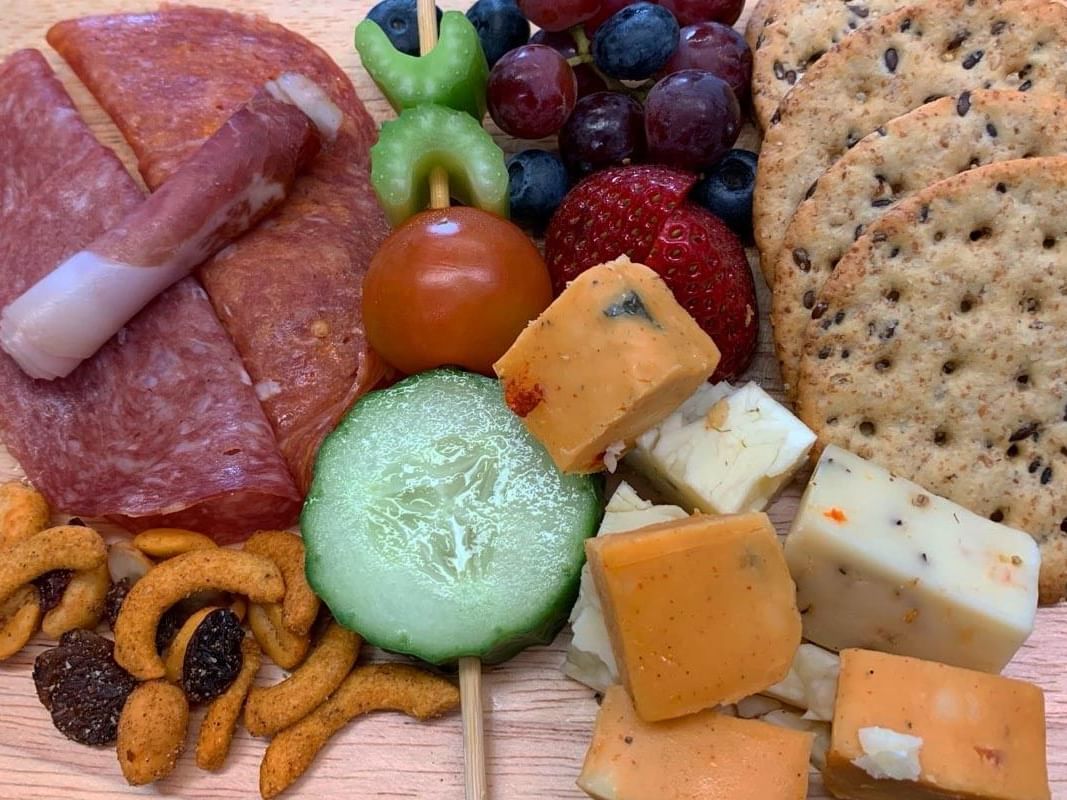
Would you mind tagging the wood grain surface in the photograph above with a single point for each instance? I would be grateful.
(538, 724)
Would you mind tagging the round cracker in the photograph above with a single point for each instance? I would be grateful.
(938, 48)
(940, 349)
(797, 35)
(762, 15)
(934, 142)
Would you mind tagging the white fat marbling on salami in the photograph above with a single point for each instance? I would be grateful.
(306, 95)
(162, 426)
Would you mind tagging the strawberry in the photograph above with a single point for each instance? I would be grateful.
(610, 213)
(705, 265)
(642, 212)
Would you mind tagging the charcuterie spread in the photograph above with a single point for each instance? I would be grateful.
(369, 443)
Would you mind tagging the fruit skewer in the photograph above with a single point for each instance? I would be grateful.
(470, 669)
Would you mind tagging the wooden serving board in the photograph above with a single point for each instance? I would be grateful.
(538, 722)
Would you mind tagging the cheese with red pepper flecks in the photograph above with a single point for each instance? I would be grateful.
(881, 563)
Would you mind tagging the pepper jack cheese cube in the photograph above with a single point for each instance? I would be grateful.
(609, 359)
(724, 451)
(705, 756)
(700, 611)
(881, 563)
(919, 730)
(589, 657)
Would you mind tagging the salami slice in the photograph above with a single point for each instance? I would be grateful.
(224, 189)
(290, 292)
(162, 426)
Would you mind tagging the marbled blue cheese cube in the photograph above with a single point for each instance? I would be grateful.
(882, 564)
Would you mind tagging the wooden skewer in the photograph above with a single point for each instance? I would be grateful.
(470, 669)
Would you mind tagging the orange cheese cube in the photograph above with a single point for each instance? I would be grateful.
(705, 756)
(920, 730)
(700, 611)
(611, 358)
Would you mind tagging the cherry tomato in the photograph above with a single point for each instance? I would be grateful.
(452, 286)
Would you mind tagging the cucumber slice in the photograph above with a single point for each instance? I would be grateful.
(436, 526)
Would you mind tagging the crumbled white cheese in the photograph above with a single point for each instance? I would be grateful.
(590, 659)
(724, 451)
(811, 684)
(612, 455)
(756, 706)
(889, 754)
(790, 719)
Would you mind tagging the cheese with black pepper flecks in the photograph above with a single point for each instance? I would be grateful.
(881, 563)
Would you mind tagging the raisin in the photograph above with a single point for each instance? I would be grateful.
(169, 625)
(116, 596)
(51, 587)
(84, 689)
(213, 657)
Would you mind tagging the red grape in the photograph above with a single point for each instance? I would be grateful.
(605, 129)
(689, 12)
(607, 8)
(691, 119)
(589, 80)
(560, 41)
(718, 49)
(532, 91)
(558, 15)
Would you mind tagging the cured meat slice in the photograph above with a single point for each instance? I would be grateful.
(290, 292)
(224, 189)
(162, 426)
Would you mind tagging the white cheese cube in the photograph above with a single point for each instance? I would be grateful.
(811, 684)
(882, 564)
(725, 451)
(589, 658)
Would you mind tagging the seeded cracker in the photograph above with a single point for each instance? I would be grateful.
(952, 312)
(796, 36)
(886, 69)
(765, 12)
(934, 142)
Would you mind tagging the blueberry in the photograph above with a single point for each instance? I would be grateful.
(400, 21)
(500, 25)
(636, 42)
(727, 191)
(537, 185)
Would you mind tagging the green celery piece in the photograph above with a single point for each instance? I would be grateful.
(454, 74)
(422, 138)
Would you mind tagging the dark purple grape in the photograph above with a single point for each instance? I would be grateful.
(691, 119)
(532, 91)
(562, 42)
(604, 130)
(718, 49)
(689, 12)
(636, 42)
(558, 15)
